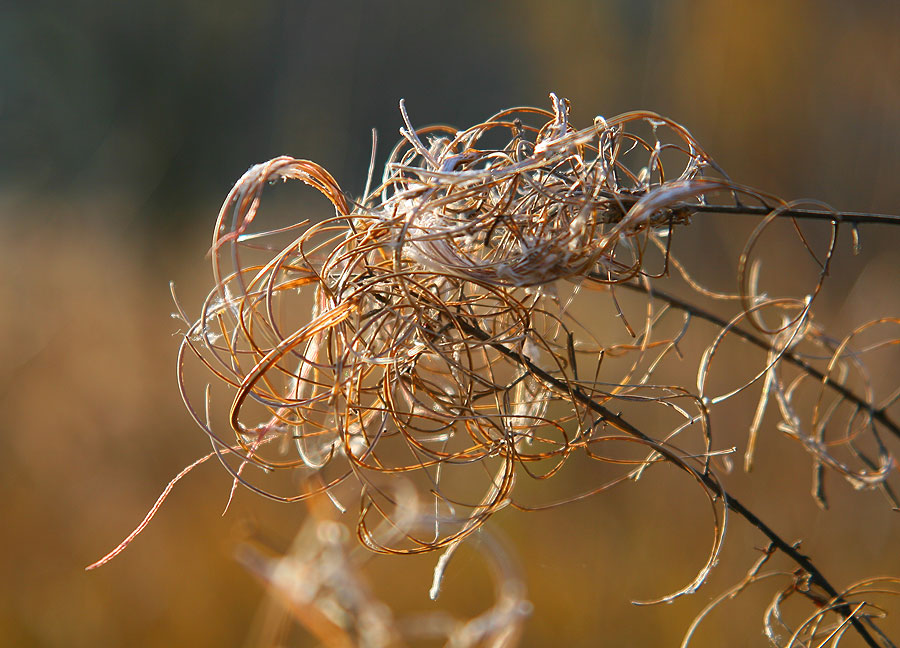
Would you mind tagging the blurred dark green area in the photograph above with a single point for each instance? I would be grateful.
(169, 102)
(122, 128)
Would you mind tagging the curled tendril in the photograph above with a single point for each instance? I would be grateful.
(448, 338)
(492, 308)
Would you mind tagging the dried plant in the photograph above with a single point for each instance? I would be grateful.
(496, 307)
(321, 584)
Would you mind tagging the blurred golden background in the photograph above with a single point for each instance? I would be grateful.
(122, 128)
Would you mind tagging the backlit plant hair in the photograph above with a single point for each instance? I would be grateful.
(491, 309)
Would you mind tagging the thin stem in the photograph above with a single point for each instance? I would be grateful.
(714, 486)
(763, 210)
(879, 414)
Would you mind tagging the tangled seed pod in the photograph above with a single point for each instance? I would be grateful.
(461, 327)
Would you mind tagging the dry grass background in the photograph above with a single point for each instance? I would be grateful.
(120, 138)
